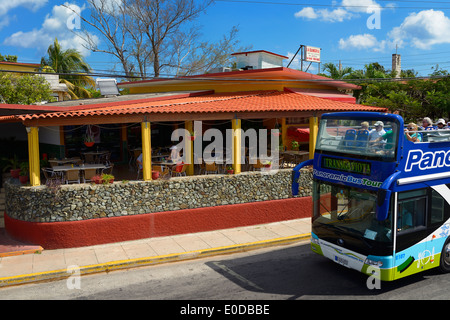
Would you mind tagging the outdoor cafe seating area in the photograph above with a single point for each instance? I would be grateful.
(90, 164)
(78, 169)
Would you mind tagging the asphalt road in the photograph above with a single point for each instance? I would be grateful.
(290, 272)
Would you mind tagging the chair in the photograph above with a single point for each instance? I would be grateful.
(180, 170)
(164, 172)
(49, 174)
(108, 169)
(89, 158)
(72, 175)
(105, 158)
(211, 168)
(257, 166)
(362, 138)
(350, 137)
(88, 174)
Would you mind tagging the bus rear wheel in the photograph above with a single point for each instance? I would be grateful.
(445, 257)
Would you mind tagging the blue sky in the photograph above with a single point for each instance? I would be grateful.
(355, 32)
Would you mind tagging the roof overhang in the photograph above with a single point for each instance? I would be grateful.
(219, 106)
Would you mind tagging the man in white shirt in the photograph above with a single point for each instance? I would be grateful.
(376, 133)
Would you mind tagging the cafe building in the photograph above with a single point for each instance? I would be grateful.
(284, 102)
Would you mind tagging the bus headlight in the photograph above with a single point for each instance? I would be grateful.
(374, 263)
(315, 241)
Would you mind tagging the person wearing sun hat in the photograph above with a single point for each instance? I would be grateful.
(441, 124)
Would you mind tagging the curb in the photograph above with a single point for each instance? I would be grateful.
(140, 262)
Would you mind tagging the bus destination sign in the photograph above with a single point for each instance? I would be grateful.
(346, 165)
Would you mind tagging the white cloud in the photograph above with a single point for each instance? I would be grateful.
(422, 30)
(348, 9)
(359, 5)
(7, 5)
(307, 12)
(56, 25)
(362, 41)
(336, 15)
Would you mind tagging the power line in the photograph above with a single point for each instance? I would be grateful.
(332, 5)
(244, 79)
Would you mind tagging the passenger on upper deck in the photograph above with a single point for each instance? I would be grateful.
(441, 124)
(411, 133)
(364, 125)
(427, 124)
(389, 145)
(377, 132)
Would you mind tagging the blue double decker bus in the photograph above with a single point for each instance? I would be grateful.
(380, 201)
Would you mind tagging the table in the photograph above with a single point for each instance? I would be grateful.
(167, 164)
(96, 155)
(297, 156)
(55, 162)
(81, 167)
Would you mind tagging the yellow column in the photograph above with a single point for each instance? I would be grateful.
(313, 130)
(189, 147)
(236, 126)
(33, 156)
(146, 151)
(283, 132)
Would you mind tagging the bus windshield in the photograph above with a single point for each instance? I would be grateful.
(347, 211)
(372, 138)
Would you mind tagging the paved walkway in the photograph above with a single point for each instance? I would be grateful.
(47, 265)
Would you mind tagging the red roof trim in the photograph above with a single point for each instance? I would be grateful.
(256, 51)
(57, 108)
(286, 72)
(21, 64)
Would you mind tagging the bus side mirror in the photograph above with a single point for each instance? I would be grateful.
(382, 209)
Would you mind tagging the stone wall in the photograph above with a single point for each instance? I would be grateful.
(89, 201)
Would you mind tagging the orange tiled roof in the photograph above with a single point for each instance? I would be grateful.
(259, 101)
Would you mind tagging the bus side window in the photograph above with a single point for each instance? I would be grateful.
(438, 205)
(412, 208)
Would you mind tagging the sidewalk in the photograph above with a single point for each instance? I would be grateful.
(29, 266)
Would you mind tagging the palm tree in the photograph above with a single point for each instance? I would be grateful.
(67, 62)
(334, 71)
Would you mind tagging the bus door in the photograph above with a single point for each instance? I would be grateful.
(411, 230)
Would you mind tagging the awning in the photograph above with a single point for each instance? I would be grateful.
(300, 134)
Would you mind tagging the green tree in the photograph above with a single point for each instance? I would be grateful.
(66, 63)
(334, 72)
(23, 89)
(370, 71)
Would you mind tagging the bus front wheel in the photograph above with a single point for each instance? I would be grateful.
(445, 257)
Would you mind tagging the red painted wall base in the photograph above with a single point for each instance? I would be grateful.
(70, 234)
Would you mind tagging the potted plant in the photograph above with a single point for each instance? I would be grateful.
(107, 178)
(97, 179)
(23, 174)
(192, 135)
(155, 175)
(295, 145)
(13, 165)
(89, 140)
(230, 170)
